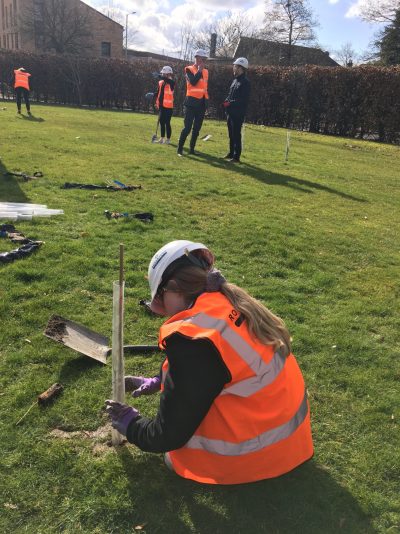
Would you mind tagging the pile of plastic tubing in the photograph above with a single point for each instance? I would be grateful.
(17, 211)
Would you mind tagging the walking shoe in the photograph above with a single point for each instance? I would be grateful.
(192, 152)
(29, 113)
(228, 156)
(179, 152)
(160, 141)
(167, 141)
(19, 112)
(234, 160)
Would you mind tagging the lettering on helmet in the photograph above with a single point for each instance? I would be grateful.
(157, 260)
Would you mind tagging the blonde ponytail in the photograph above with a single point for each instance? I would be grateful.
(262, 323)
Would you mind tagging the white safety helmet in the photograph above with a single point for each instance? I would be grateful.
(201, 53)
(172, 251)
(166, 70)
(242, 62)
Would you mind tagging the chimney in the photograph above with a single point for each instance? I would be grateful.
(213, 44)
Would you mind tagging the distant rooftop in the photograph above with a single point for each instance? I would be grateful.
(262, 52)
(139, 54)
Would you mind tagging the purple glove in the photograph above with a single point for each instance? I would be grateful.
(141, 385)
(121, 415)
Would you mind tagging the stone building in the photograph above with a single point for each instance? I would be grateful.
(103, 36)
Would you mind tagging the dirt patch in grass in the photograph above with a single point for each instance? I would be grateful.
(56, 328)
(100, 437)
(101, 434)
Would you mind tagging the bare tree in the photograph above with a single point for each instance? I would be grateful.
(57, 25)
(186, 42)
(228, 30)
(346, 55)
(290, 22)
(379, 10)
(119, 16)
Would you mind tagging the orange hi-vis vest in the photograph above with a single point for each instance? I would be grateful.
(200, 90)
(168, 101)
(21, 79)
(259, 425)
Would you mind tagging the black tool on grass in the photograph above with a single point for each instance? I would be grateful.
(154, 136)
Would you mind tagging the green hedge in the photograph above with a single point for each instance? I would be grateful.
(358, 102)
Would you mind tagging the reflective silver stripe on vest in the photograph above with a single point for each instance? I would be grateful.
(265, 372)
(226, 448)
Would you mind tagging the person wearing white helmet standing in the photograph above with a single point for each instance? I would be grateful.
(196, 100)
(233, 405)
(164, 102)
(235, 106)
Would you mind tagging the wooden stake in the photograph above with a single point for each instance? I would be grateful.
(118, 381)
(287, 146)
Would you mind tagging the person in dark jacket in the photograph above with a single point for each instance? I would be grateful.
(164, 102)
(196, 100)
(235, 106)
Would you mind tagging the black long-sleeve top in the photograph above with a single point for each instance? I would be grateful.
(160, 90)
(239, 95)
(193, 79)
(196, 376)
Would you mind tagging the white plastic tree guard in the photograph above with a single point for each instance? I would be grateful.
(18, 211)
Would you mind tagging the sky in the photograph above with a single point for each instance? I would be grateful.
(158, 23)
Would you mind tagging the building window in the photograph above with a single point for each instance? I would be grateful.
(4, 41)
(3, 15)
(12, 41)
(8, 41)
(16, 41)
(106, 49)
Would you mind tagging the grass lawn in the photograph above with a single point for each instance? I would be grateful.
(316, 240)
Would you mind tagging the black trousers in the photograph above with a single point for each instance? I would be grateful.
(235, 123)
(21, 92)
(165, 121)
(193, 118)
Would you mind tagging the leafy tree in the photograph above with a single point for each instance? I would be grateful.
(291, 22)
(389, 45)
(61, 26)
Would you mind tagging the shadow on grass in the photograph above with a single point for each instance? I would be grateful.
(73, 369)
(32, 118)
(271, 178)
(305, 500)
(10, 190)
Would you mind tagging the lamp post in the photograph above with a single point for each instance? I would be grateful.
(126, 33)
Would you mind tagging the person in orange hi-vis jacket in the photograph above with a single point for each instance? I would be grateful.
(196, 100)
(22, 88)
(164, 102)
(233, 404)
